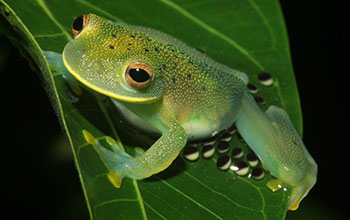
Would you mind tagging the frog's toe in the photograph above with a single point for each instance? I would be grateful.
(295, 198)
(115, 178)
(299, 192)
(139, 151)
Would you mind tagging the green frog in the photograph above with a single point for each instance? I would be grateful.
(162, 84)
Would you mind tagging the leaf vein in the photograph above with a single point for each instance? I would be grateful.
(279, 92)
(265, 20)
(214, 31)
(140, 199)
(166, 202)
(214, 191)
(260, 194)
(155, 211)
(109, 120)
(114, 201)
(99, 10)
(49, 35)
(50, 15)
(189, 198)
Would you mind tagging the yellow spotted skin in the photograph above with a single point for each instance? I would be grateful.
(186, 96)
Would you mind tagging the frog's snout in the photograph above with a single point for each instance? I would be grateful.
(78, 25)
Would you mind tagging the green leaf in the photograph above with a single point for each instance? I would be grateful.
(248, 35)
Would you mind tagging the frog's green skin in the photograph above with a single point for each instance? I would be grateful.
(189, 97)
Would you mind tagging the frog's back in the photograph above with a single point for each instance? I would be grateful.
(204, 97)
(165, 38)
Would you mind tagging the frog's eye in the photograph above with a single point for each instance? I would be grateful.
(79, 24)
(138, 75)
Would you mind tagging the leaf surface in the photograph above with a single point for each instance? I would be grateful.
(248, 35)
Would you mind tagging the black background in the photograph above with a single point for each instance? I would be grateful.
(35, 183)
(317, 38)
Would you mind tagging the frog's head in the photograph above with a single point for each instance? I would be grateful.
(113, 60)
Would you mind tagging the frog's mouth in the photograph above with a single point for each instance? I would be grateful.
(73, 55)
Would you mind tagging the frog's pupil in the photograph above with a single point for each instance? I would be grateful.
(78, 23)
(139, 75)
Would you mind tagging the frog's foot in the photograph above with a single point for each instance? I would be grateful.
(115, 160)
(298, 192)
(157, 158)
(295, 197)
(302, 189)
(139, 151)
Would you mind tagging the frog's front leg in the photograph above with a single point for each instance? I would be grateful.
(157, 158)
(56, 65)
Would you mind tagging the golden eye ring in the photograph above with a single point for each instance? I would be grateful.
(79, 24)
(138, 75)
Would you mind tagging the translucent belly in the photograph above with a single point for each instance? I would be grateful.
(196, 129)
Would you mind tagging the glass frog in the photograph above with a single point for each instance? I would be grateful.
(160, 83)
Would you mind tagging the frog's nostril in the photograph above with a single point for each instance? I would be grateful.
(79, 24)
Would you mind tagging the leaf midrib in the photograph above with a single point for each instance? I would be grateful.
(204, 26)
(31, 37)
(110, 123)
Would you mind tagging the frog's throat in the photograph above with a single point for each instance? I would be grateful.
(105, 92)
